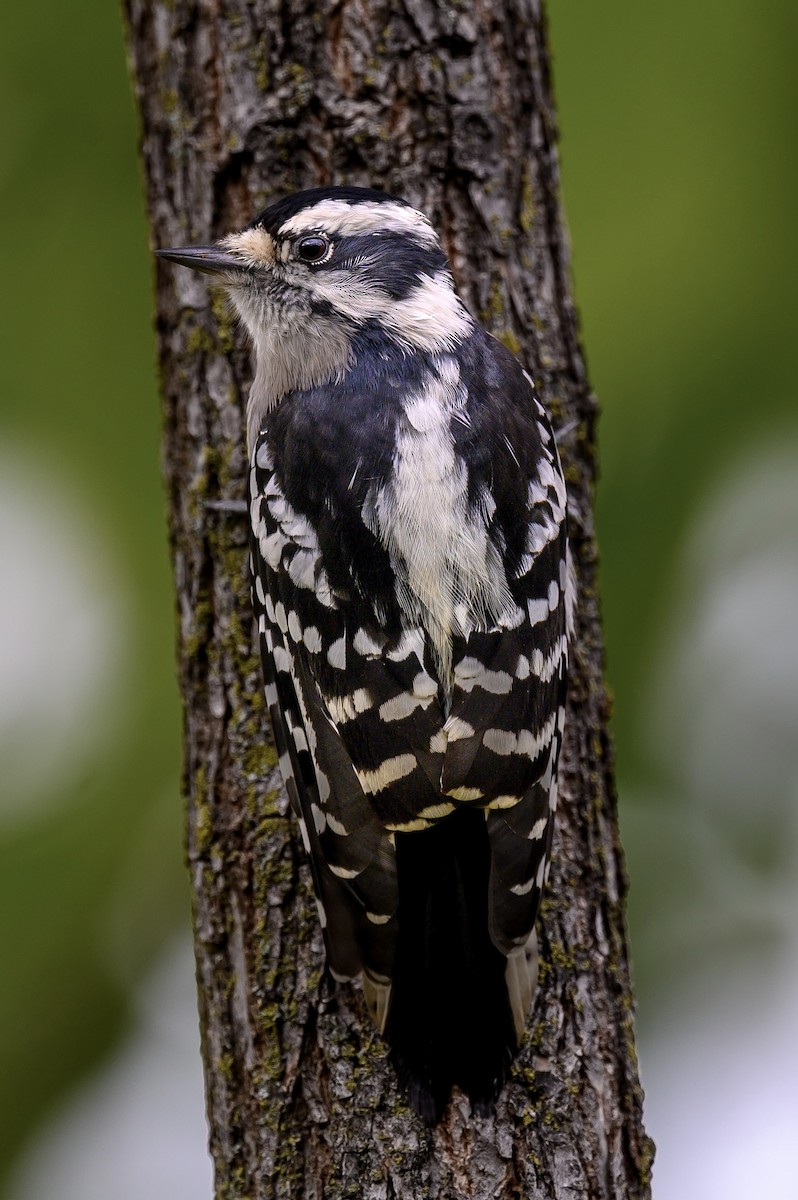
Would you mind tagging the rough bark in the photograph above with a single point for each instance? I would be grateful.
(449, 105)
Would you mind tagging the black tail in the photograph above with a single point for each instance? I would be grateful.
(449, 1020)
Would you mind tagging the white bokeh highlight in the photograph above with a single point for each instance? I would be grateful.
(137, 1131)
(63, 638)
(720, 1054)
(728, 694)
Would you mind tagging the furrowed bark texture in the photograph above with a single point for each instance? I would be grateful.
(450, 106)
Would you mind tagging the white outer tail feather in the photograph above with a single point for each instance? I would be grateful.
(521, 976)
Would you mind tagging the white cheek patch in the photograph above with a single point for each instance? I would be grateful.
(430, 317)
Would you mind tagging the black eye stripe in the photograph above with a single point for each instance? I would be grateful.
(314, 248)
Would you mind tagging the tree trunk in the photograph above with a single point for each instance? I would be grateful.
(449, 106)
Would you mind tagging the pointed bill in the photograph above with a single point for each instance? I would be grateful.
(211, 260)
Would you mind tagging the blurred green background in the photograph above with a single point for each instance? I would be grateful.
(679, 173)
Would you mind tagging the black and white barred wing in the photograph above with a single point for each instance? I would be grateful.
(506, 725)
(371, 747)
(354, 715)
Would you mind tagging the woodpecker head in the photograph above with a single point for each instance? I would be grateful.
(313, 271)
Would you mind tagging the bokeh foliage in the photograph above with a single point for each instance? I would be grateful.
(92, 885)
(680, 182)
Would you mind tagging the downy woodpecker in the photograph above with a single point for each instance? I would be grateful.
(413, 595)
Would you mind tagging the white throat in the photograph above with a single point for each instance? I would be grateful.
(293, 350)
(297, 348)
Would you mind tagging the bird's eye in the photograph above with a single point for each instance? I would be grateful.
(314, 249)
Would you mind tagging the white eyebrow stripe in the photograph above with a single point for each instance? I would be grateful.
(368, 216)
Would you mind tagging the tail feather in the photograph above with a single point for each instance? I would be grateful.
(451, 1018)
(521, 975)
(377, 995)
